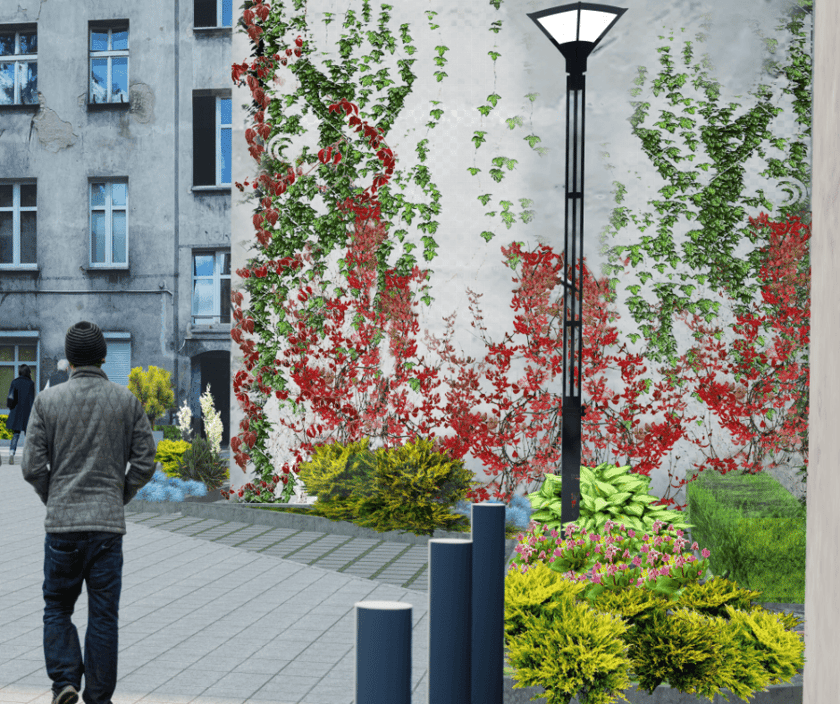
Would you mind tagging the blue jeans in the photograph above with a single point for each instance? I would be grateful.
(70, 558)
(14, 442)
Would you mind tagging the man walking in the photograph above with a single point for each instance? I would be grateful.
(60, 376)
(91, 428)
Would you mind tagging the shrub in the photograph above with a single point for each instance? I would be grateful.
(338, 472)
(169, 454)
(416, 488)
(163, 488)
(712, 637)
(517, 513)
(153, 389)
(5, 433)
(200, 463)
(170, 432)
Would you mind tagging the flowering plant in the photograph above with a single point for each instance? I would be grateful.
(184, 422)
(667, 571)
(212, 421)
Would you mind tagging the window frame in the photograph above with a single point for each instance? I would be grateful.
(16, 209)
(219, 127)
(108, 209)
(17, 59)
(220, 12)
(109, 54)
(215, 318)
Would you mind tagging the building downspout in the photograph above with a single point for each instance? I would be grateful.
(176, 237)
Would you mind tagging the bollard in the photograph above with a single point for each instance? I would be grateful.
(466, 624)
(383, 652)
(450, 620)
(488, 603)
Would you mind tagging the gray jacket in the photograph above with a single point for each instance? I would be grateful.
(80, 437)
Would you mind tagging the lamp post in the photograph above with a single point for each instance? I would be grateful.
(575, 30)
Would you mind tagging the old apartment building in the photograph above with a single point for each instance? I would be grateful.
(115, 171)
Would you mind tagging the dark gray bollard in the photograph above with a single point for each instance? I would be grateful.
(383, 652)
(450, 620)
(466, 624)
(488, 603)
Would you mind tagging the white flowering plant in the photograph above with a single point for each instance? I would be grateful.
(212, 421)
(185, 422)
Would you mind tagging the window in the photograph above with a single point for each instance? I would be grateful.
(19, 67)
(17, 224)
(213, 13)
(108, 223)
(13, 353)
(211, 140)
(118, 359)
(211, 288)
(109, 64)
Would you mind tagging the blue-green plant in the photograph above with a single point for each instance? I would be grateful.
(517, 512)
(162, 488)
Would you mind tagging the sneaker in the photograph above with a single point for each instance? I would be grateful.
(11, 459)
(68, 695)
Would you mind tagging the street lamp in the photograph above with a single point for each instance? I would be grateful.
(575, 30)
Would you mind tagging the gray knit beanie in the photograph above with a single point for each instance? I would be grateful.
(84, 344)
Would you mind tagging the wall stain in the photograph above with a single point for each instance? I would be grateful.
(54, 134)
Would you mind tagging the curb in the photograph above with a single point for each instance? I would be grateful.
(205, 507)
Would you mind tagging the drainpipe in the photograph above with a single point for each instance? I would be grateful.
(176, 219)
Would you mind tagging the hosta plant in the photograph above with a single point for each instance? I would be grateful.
(607, 493)
(163, 488)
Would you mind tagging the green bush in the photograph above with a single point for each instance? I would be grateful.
(5, 433)
(712, 638)
(153, 388)
(169, 454)
(411, 488)
(338, 472)
(200, 463)
(170, 432)
(417, 488)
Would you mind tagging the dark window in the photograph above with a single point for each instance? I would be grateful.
(204, 140)
(213, 13)
(205, 13)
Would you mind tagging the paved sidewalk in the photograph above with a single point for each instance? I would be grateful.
(200, 621)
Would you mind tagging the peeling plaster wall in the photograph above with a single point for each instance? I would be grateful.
(63, 144)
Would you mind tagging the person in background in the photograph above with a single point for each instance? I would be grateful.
(23, 392)
(89, 429)
(60, 376)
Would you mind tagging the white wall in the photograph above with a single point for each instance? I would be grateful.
(529, 63)
(822, 641)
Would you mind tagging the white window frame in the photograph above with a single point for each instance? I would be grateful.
(219, 127)
(20, 61)
(16, 209)
(108, 54)
(109, 208)
(215, 317)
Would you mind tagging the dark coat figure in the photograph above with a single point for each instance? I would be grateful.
(23, 390)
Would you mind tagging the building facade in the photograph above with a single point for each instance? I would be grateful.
(115, 188)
